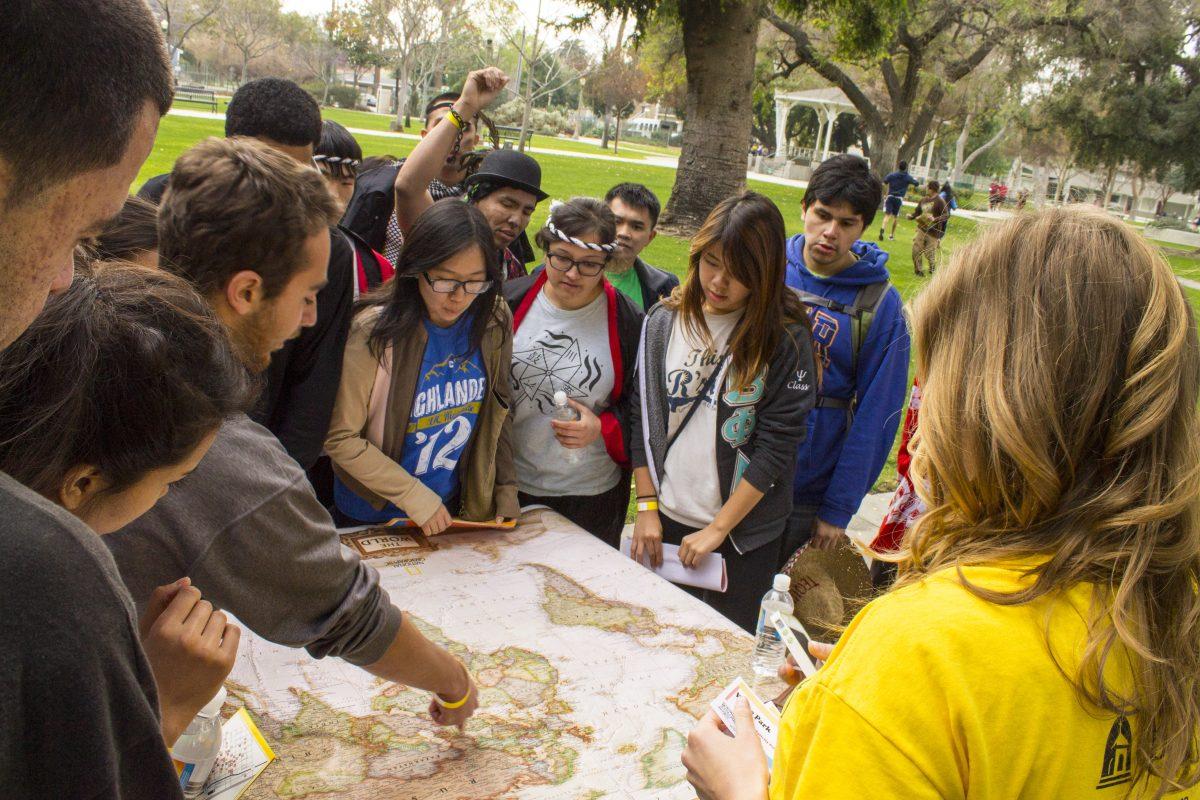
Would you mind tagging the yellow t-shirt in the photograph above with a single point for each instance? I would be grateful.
(933, 692)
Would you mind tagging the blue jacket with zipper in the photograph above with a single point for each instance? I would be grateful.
(837, 466)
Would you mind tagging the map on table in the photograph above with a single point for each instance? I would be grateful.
(591, 671)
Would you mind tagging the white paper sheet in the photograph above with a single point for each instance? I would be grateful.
(708, 574)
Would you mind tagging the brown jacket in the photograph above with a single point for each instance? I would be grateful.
(366, 454)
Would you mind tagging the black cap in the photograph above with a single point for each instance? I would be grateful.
(510, 168)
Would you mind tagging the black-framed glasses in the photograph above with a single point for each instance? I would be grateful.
(449, 285)
(563, 263)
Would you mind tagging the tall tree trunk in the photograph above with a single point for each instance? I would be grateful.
(883, 148)
(377, 86)
(401, 96)
(607, 122)
(245, 65)
(1109, 177)
(719, 45)
(617, 138)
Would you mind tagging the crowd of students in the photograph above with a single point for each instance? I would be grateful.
(228, 365)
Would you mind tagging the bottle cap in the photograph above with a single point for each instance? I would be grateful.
(213, 707)
(560, 398)
(782, 583)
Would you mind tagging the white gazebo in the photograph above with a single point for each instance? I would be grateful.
(828, 103)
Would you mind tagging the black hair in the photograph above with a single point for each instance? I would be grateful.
(635, 194)
(445, 229)
(846, 178)
(275, 109)
(903, 166)
(134, 230)
(338, 151)
(579, 217)
(443, 100)
(74, 78)
(126, 371)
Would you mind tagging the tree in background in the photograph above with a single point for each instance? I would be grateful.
(1124, 96)
(251, 27)
(350, 34)
(915, 51)
(617, 85)
(182, 17)
(719, 38)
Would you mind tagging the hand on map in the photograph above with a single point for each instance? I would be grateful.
(826, 536)
(647, 539)
(696, 546)
(437, 523)
(191, 649)
(456, 716)
(482, 87)
(580, 433)
(724, 767)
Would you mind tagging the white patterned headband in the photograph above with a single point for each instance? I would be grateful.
(349, 162)
(569, 239)
(338, 166)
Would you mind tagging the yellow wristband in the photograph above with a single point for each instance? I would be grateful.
(459, 704)
(648, 505)
(456, 119)
(466, 697)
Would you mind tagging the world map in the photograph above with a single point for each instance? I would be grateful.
(591, 671)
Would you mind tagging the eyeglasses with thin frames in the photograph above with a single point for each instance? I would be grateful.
(589, 269)
(449, 285)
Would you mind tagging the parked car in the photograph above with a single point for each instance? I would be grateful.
(368, 100)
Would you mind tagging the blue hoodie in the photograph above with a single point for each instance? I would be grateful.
(836, 467)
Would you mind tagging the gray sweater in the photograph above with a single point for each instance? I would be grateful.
(246, 527)
(78, 705)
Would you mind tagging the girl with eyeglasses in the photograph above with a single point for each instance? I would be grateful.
(421, 427)
(576, 334)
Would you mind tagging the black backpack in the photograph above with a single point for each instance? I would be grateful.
(371, 205)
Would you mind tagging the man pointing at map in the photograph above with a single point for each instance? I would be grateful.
(248, 227)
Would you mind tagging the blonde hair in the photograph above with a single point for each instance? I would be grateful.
(1059, 374)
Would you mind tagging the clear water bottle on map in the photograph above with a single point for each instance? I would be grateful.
(564, 413)
(196, 750)
(768, 647)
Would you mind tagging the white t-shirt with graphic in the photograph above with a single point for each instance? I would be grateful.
(690, 492)
(555, 349)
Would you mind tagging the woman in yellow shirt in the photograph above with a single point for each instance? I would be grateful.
(1043, 640)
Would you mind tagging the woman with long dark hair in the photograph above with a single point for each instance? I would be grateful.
(726, 379)
(420, 428)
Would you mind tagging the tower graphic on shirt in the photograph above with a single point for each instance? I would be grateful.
(1117, 767)
(555, 362)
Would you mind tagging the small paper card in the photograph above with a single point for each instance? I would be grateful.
(766, 716)
(244, 755)
(787, 630)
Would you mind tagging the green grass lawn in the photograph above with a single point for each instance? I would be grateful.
(565, 177)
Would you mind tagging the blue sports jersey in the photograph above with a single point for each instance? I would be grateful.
(445, 409)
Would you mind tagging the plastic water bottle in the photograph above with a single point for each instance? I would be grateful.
(768, 647)
(196, 750)
(564, 413)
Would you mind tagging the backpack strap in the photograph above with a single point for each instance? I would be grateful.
(862, 313)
